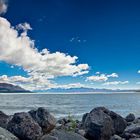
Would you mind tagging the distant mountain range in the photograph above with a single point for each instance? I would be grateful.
(9, 88)
(82, 89)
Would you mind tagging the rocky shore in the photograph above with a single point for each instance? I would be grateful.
(39, 124)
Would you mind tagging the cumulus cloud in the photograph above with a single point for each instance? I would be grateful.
(19, 50)
(98, 78)
(36, 83)
(116, 83)
(101, 77)
(139, 71)
(3, 7)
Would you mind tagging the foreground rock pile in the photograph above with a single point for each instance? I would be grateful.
(99, 124)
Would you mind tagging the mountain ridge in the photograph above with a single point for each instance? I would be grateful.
(10, 88)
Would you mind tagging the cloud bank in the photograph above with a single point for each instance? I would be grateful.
(101, 77)
(18, 49)
(116, 83)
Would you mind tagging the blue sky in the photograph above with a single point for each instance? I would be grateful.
(103, 34)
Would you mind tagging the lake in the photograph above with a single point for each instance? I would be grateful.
(62, 105)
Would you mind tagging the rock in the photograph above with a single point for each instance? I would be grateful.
(48, 137)
(134, 128)
(6, 135)
(3, 120)
(98, 125)
(44, 119)
(81, 132)
(130, 117)
(134, 139)
(64, 135)
(116, 137)
(24, 127)
(118, 122)
(136, 121)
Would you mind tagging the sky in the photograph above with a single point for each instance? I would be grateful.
(70, 43)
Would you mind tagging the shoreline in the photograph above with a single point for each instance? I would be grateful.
(40, 124)
(67, 93)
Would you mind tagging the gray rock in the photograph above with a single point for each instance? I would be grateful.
(98, 125)
(116, 137)
(118, 122)
(48, 137)
(3, 120)
(81, 132)
(6, 135)
(134, 139)
(44, 119)
(130, 117)
(64, 135)
(24, 127)
(134, 128)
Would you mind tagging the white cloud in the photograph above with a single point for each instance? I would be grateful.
(97, 72)
(101, 77)
(116, 83)
(98, 78)
(114, 75)
(36, 83)
(3, 7)
(139, 71)
(18, 49)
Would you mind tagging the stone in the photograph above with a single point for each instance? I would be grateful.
(116, 137)
(24, 127)
(66, 135)
(42, 116)
(3, 120)
(134, 128)
(48, 137)
(98, 125)
(130, 117)
(6, 135)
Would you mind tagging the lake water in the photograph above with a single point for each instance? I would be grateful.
(75, 104)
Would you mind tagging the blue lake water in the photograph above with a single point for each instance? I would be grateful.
(75, 104)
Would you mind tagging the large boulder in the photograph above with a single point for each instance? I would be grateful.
(98, 125)
(24, 127)
(130, 117)
(63, 135)
(6, 135)
(3, 120)
(101, 123)
(44, 119)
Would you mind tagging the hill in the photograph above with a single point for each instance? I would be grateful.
(9, 88)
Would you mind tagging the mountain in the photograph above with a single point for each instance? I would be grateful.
(82, 89)
(9, 88)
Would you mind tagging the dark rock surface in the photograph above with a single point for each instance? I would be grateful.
(4, 119)
(98, 125)
(44, 119)
(64, 135)
(101, 123)
(130, 117)
(24, 127)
